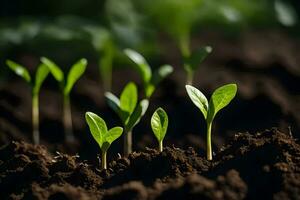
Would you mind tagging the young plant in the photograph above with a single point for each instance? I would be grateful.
(185, 17)
(220, 98)
(66, 85)
(41, 74)
(129, 110)
(192, 61)
(159, 125)
(150, 80)
(101, 134)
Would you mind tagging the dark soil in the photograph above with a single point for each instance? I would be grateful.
(252, 166)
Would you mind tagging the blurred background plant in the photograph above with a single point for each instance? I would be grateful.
(100, 29)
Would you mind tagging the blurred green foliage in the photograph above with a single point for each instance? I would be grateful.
(101, 29)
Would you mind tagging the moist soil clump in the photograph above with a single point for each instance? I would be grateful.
(252, 166)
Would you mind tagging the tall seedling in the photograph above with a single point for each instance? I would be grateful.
(41, 74)
(129, 110)
(220, 98)
(150, 79)
(66, 85)
(185, 17)
(101, 134)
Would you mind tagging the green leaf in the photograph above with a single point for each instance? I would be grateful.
(128, 98)
(149, 89)
(114, 104)
(143, 67)
(40, 76)
(113, 134)
(159, 123)
(136, 116)
(198, 57)
(105, 146)
(97, 127)
(19, 70)
(286, 13)
(161, 73)
(75, 73)
(198, 99)
(220, 99)
(113, 101)
(54, 69)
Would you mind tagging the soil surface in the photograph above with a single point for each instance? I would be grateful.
(264, 165)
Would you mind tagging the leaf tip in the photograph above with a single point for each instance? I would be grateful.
(208, 49)
(187, 87)
(88, 114)
(83, 61)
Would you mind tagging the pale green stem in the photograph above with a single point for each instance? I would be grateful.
(189, 77)
(184, 45)
(103, 160)
(35, 119)
(67, 120)
(208, 142)
(127, 142)
(106, 74)
(161, 146)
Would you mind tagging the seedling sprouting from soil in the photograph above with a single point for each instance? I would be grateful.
(192, 61)
(41, 74)
(150, 80)
(219, 99)
(159, 125)
(101, 134)
(129, 110)
(66, 85)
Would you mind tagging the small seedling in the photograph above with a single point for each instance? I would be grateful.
(129, 110)
(219, 99)
(41, 74)
(150, 80)
(101, 134)
(159, 125)
(193, 60)
(66, 86)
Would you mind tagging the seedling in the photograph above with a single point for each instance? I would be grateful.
(41, 74)
(220, 98)
(66, 86)
(150, 80)
(192, 60)
(129, 110)
(159, 125)
(101, 134)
